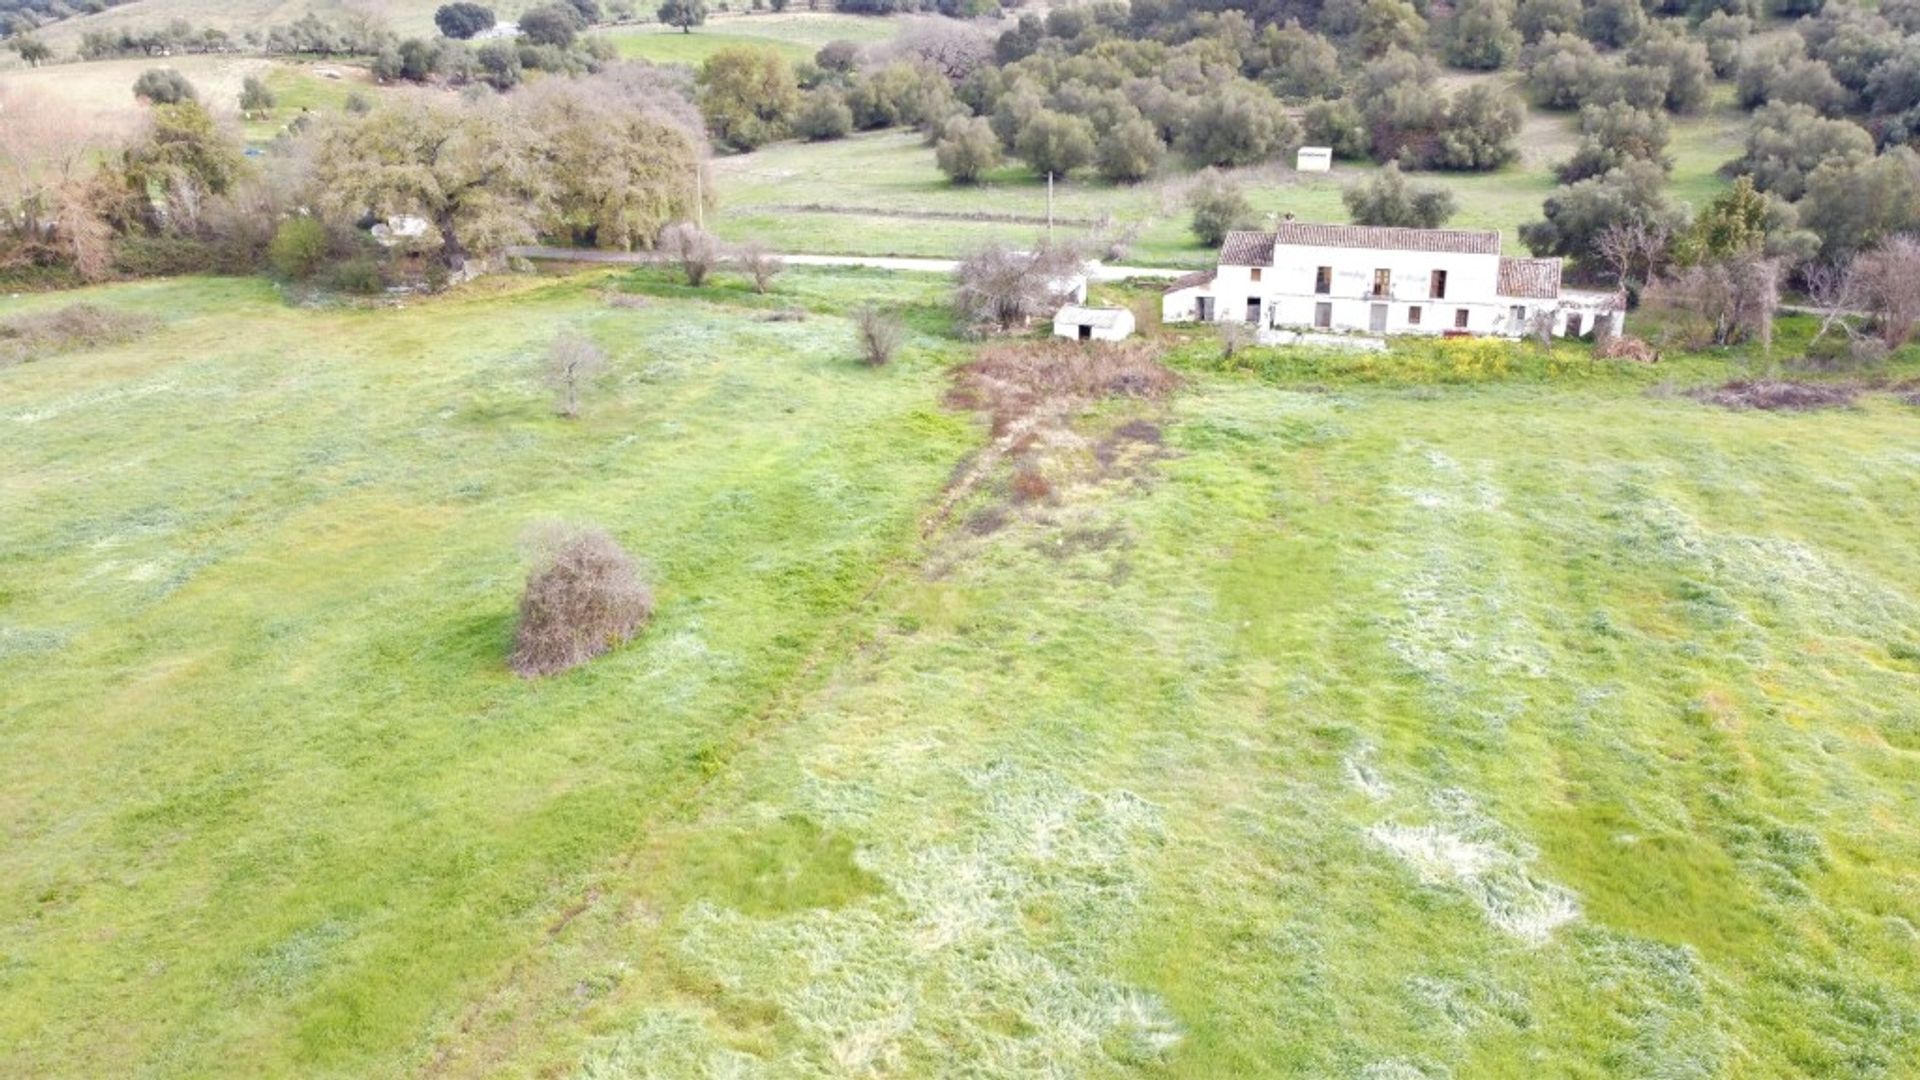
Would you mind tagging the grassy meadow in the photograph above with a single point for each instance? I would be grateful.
(1295, 726)
(796, 35)
(880, 194)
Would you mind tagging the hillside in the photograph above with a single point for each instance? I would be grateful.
(1551, 724)
(237, 16)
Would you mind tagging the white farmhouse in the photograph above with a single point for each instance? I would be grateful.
(1378, 280)
(1093, 323)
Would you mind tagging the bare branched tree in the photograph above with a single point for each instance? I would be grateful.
(999, 287)
(758, 263)
(880, 335)
(693, 248)
(1634, 251)
(1889, 288)
(1726, 302)
(572, 362)
(1833, 290)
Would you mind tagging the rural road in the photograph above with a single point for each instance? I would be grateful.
(1097, 271)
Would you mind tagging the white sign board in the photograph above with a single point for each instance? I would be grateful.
(1314, 159)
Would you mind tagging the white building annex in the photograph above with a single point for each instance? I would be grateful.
(1380, 280)
(1083, 323)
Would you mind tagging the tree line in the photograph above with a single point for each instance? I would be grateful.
(610, 159)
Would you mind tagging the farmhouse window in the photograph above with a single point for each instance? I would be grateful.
(1459, 318)
(1413, 315)
(1437, 285)
(1323, 281)
(1382, 282)
(1519, 314)
(1256, 273)
(1322, 315)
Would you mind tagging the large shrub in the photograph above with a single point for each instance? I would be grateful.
(583, 597)
(463, 20)
(299, 248)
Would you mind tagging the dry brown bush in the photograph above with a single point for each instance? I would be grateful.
(880, 334)
(76, 326)
(1030, 485)
(759, 264)
(1778, 394)
(583, 597)
(1624, 347)
(693, 248)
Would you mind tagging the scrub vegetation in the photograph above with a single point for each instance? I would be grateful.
(1116, 712)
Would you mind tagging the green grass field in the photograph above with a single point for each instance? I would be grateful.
(795, 35)
(404, 17)
(871, 194)
(1552, 726)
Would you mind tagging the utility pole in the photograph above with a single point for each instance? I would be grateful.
(1049, 207)
(699, 197)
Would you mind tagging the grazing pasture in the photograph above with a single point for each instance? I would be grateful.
(880, 194)
(796, 35)
(1276, 724)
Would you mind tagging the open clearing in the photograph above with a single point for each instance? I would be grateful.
(880, 194)
(795, 35)
(1528, 728)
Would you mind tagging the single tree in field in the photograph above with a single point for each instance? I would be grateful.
(164, 86)
(255, 96)
(693, 248)
(685, 14)
(1219, 207)
(1389, 198)
(462, 21)
(583, 597)
(879, 333)
(759, 264)
(749, 96)
(551, 24)
(31, 49)
(572, 362)
(967, 148)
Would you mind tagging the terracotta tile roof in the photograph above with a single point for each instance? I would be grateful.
(1457, 241)
(1244, 248)
(1537, 279)
(1198, 277)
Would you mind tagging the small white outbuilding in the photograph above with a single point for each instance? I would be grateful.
(1093, 323)
(1314, 159)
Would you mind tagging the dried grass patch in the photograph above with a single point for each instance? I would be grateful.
(1013, 381)
(1778, 395)
(67, 329)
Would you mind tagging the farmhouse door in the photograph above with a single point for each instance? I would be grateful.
(1206, 309)
(1253, 309)
(1377, 319)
